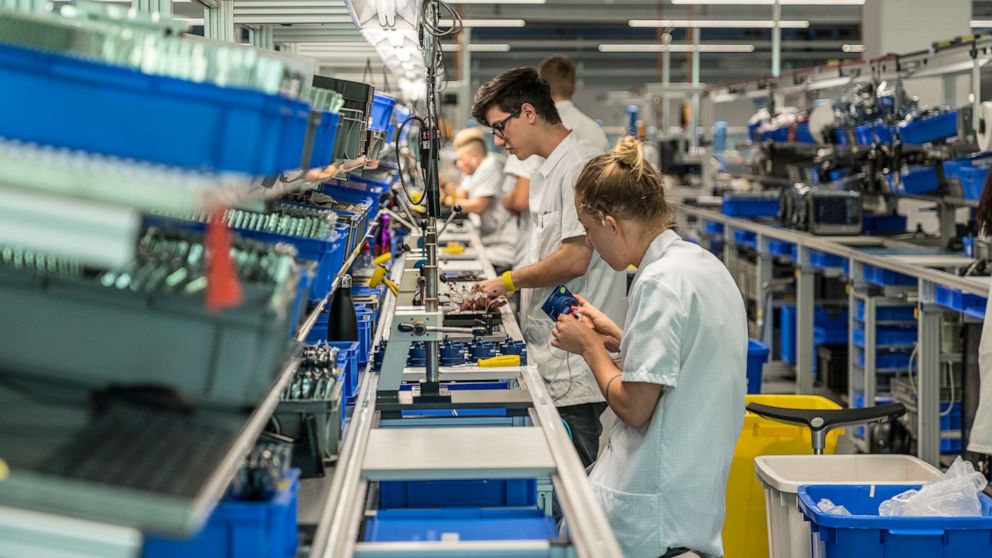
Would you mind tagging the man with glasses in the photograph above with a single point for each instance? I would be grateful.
(517, 105)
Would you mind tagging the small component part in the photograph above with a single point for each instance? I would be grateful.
(499, 361)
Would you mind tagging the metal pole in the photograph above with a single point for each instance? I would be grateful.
(928, 375)
(776, 39)
(466, 75)
(694, 119)
(666, 78)
(804, 322)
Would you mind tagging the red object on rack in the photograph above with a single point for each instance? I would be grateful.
(223, 285)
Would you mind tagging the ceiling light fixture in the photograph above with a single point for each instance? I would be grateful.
(675, 48)
(771, 2)
(485, 22)
(853, 48)
(478, 47)
(719, 23)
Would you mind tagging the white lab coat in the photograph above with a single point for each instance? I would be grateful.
(513, 169)
(663, 486)
(585, 128)
(497, 226)
(981, 430)
(553, 219)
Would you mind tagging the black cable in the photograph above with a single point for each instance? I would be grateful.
(399, 165)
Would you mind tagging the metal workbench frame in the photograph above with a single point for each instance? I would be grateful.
(928, 354)
(338, 529)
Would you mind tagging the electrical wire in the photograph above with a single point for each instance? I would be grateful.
(568, 364)
(399, 165)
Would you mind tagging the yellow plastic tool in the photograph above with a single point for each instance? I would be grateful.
(379, 277)
(383, 258)
(454, 248)
(500, 361)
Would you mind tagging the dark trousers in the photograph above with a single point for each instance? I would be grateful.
(583, 422)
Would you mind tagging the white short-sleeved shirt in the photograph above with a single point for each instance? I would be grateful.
(663, 486)
(513, 169)
(584, 127)
(980, 440)
(553, 219)
(497, 226)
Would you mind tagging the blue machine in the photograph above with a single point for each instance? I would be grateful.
(559, 302)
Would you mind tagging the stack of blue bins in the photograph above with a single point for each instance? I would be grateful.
(828, 329)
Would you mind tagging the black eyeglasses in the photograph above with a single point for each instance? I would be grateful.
(499, 127)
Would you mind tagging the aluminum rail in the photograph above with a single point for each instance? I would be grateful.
(339, 523)
(973, 285)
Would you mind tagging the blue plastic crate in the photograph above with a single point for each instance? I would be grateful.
(864, 134)
(780, 248)
(802, 133)
(489, 493)
(865, 534)
(757, 356)
(122, 112)
(929, 129)
(914, 180)
(713, 228)
(889, 313)
(886, 360)
(887, 336)
(823, 260)
(382, 109)
(746, 238)
(470, 524)
(973, 181)
(957, 300)
(787, 334)
(369, 197)
(883, 224)
(883, 133)
(323, 141)
(373, 190)
(365, 327)
(884, 277)
(348, 361)
(829, 336)
(240, 529)
(745, 207)
(842, 137)
(779, 134)
(306, 274)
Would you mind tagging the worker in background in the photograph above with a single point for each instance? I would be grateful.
(980, 440)
(559, 72)
(516, 190)
(517, 105)
(678, 387)
(481, 193)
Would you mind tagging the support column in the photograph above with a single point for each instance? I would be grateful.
(162, 7)
(776, 39)
(465, 75)
(218, 23)
(694, 117)
(928, 376)
(805, 299)
(261, 37)
(666, 78)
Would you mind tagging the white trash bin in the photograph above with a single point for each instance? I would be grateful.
(782, 475)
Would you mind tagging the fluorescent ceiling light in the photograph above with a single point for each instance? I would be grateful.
(496, 1)
(981, 23)
(853, 48)
(478, 47)
(719, 23)
(675, 48)
(770, 2)
(485, 22)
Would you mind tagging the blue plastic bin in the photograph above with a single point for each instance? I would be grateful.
(323, 141)
(884, 277)
(746, 238)
(887, 336)
(713, 228)
(489, 493)
(929, 129)
(757, 356)
(382, 109)
(883, 224)
(886, 360)
(863, 134)
(302, 297)
(113, 110)
(470, 524)
(883, 133)
(365, 327)
(780, 248)
(865, 534)
(957, 300)
(348, 352)
(744, 207)
(842, 137)
(240, 529)
(889, 313)
(823, 260)
(914, 180)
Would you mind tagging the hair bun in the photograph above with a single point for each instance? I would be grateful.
(630, 153)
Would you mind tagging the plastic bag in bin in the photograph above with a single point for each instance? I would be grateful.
(953, 495)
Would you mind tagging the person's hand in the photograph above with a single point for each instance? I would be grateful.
(574, 334)
(599, 321)
(492, 288)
